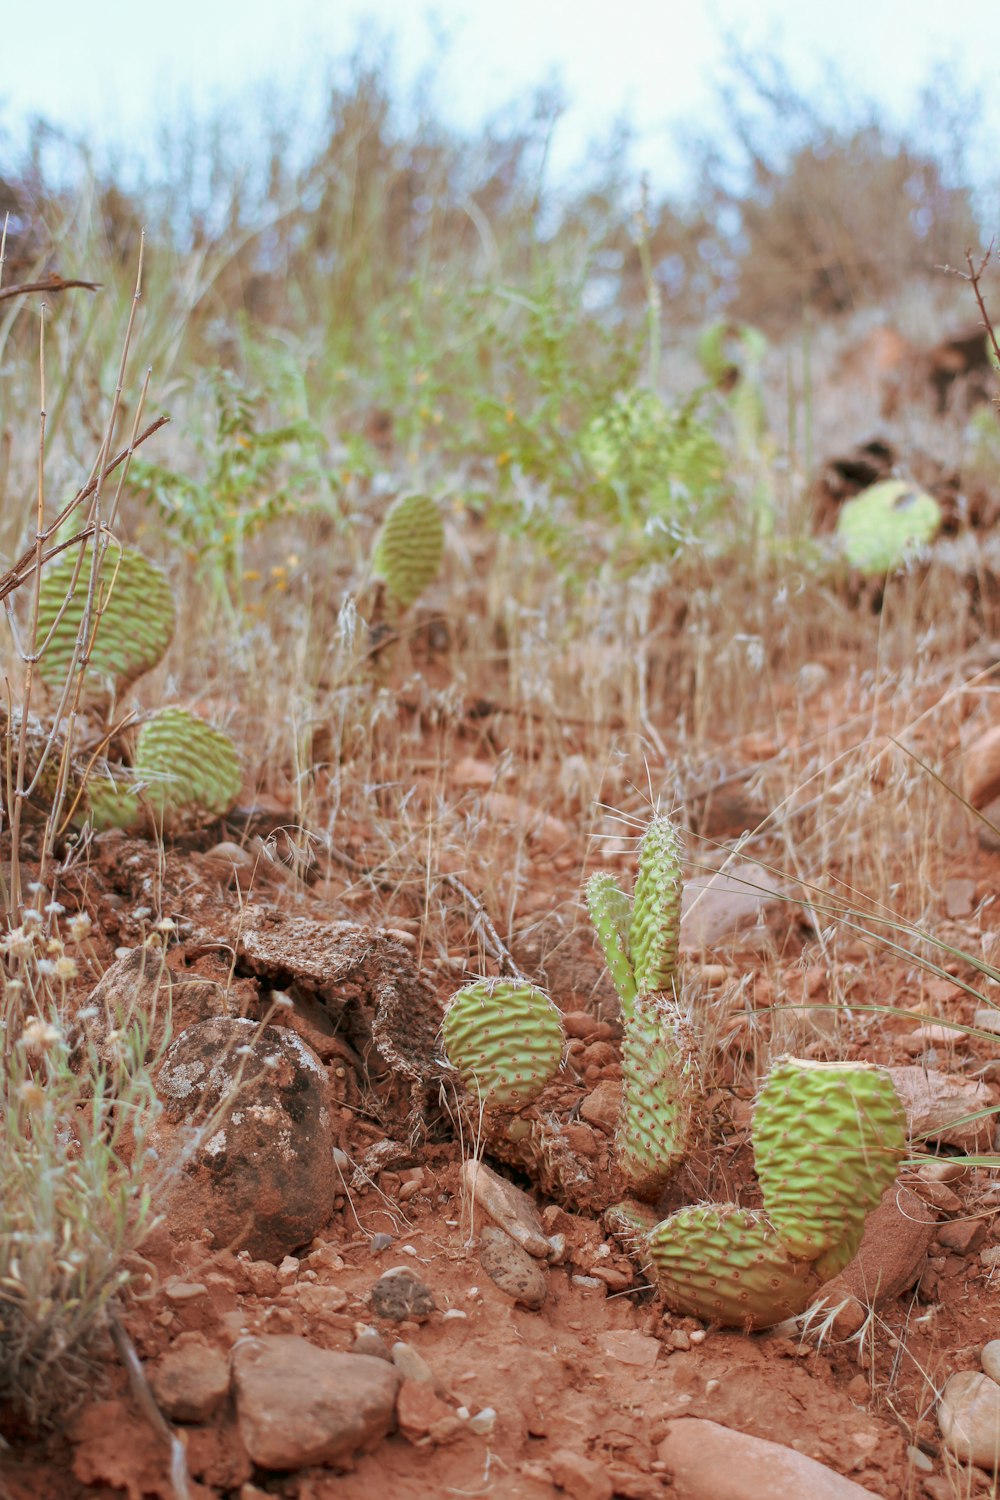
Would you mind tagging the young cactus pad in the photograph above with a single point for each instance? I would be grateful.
(610, 912)
(828, 1140)
(505, 1040)
(880, 528)
(409, 547)
(654, 933)
(727, 1265)
(137, 616)
(185, 764)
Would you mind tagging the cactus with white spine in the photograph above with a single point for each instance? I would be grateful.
(505, 1040)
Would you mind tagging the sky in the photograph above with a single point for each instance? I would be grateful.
(113, 71)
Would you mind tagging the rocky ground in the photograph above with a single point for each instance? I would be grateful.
(338, 1302)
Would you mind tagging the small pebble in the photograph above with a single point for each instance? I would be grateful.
(288, 1270)
(369, 1341)
(380, 1242)
(483, 1422)
(411, 1365)
(919, 1459)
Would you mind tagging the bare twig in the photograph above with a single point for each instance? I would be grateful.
(146, 1403)
(492, 941)
(974, 276)
(25, 565)
(50, 284)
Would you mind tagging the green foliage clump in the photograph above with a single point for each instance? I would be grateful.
(252, 475)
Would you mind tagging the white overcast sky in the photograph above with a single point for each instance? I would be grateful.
(112, 70)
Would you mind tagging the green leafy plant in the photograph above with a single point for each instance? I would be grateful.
(252, 475)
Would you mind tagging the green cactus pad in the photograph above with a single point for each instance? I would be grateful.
(186, 765)
(109, 803)
(654, 933)
(610, 913)
(828, 1140)
(504, 1039)
(660, 1091)
(136, 623)
(727, 1265)
(409, 547)
(882, 526)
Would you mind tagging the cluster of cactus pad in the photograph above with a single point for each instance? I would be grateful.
(181, 766)
(828, 1137)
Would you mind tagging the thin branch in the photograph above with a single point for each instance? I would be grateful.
(975, 274)
(146, 1403)
(25, 565)
(492, 941)
(50, 284)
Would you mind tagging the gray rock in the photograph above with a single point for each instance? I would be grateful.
(507, 1206)
(191, 1381)
(298, 1405)
(399, 1295)
(707, 1461)
(370, 1341)
(511, 1268)
(969, 1418)
(253, 1131)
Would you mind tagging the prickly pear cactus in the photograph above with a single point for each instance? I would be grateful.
(828, 1140)
(661, 1085)
(880, 528)
(504, 1039)
(409, 547)
(727, 1265)
(136, 624)
(185, 765)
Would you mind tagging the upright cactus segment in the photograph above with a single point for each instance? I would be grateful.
(134, 620)
(640, 940)
(610, 912)
(186, 766)
(728, 1265)
(828, 1141)
(660, 1089)
(409, 547)
(505, 1040)
(654, 933)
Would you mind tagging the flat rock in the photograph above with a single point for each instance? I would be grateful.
(423, 1417)
(709, 1461)
(512, 1269)
(191, 1381)
(583, 1478)
(603, 1105)
(507, 1206)
(298, 1405)
(630, 1347)
(936, 1103)
(716, 905)
(262, 1178)
(987, 1018)
(969, 1418)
